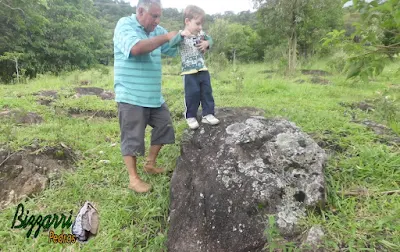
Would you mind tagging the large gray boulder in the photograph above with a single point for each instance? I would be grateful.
(231, 177)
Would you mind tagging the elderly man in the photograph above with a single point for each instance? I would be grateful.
(138, 44)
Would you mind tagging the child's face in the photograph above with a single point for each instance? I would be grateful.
(194, 25)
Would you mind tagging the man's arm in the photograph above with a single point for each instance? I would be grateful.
(148, 45)
(176, 40)
(171, 48)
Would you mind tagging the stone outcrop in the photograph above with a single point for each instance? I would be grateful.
(231, 177)
(28, 172)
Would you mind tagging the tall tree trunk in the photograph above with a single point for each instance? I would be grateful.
(16, 68)
(234, 58)
(292, 43)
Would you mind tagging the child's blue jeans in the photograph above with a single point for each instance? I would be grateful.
(198, 90)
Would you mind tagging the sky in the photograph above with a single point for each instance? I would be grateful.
(209, 6)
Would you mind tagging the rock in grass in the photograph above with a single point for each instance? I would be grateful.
(86, 223)
(231, 178)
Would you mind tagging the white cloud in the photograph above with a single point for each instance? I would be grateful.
(209, 6)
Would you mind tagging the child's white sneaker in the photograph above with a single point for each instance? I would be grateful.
(210, 119)
(192, 122)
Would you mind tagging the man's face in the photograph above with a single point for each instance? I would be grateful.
(194, 25)
(150, 19)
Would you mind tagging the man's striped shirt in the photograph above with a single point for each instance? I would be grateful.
(137, 79)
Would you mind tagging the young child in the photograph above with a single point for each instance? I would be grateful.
(193, 43)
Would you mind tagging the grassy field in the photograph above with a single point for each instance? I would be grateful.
(363, 171)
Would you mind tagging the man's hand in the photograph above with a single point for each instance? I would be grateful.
(172, 34)
(185, 33)
(203, 45)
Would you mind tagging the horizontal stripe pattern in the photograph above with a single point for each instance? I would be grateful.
(137, 79)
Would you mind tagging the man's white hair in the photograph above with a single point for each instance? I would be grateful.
(146, 4)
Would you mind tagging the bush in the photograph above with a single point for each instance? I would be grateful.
(338, 61)
(217, 62)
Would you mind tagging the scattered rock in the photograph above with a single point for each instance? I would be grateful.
(379, 129)
(387, 135)
(363, 105)
(229, 177)
(74, 112)
(315, 72)
(28, 172)
(80, 91)
(46, 97)
(85, 82)
(394, 86)
(319, 80)
(329, 142)
(21, 117)
(47, 93)
(314, 239)
(105, 95)
(45, 101)
(267, 71)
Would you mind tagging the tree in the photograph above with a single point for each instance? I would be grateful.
(284, 17)
(297, 20)
(51, 35)
(378, 33)
(21, 25)
(12, 57)
(320, 17)
(233, 39)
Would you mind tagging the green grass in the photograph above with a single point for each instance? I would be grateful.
(131, 222)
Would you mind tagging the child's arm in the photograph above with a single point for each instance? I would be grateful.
(206, 43)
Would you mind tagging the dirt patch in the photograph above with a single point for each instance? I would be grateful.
(226, 82)
(363, 105)
(101, 93)
(319, 80)
(329, 142)
(177, 114)
(315, 72)
(107, 95)
(85, 82)
(21, 117)
(387, 135)
(394, 86)
(91, 113)
(267, 71)
(46, 97)
(45, 101)
(88, 91)
(47, 93)
(27, 172)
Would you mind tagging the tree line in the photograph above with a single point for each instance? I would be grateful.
(41, 36)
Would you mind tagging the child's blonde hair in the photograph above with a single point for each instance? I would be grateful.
(192, 11)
